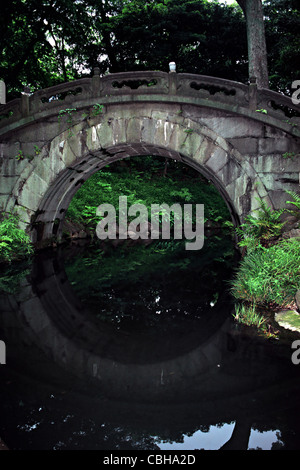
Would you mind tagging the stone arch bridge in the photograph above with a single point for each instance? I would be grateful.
(244, 139)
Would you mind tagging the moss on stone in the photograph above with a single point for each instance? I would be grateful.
(288, 319)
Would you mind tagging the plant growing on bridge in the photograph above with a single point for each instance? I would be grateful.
(20, 155)
(68, 112)
(37, 150)
(97, 109)
(262, 110)
(289, 155)
(293, 124)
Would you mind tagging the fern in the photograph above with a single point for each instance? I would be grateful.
(295, 202)
(265, 225)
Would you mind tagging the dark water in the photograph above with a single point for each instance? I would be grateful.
(114, 348)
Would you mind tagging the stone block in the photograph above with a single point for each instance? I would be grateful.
(105, 134)
(178, 139)
(229, 172)
(278, 198)
(92, 139)
(268, 146)
(203, 152)
(168, 113)
(148, 130)
(75, 146)
(13, 166)
(192, 143)
(217, 160)
(119, 131)
(245, 145)
(134, 130)
(10, 205)
(31, 194)
(234, 127)
(163, 132)
(44, 171)
(7, 184)
(237, 188)
(9, 149)
(25, 215)
(57, 149)
(278, 181)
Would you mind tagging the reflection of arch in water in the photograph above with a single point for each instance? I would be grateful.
(202, 366)
(221, 379)
(123, 362)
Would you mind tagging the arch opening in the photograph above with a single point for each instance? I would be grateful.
(49, 219)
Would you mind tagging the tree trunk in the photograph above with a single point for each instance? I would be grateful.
(257, 50)
(240, 437)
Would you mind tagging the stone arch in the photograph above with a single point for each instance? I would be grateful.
(50, 181)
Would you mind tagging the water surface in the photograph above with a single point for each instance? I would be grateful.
(136, 348)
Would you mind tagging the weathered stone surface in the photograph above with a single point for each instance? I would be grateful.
(237, 149)
(245, 145)
(218, 160)
(233, 127)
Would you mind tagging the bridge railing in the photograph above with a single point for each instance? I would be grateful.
(200, 89)
(278, 106)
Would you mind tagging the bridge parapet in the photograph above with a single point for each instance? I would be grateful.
(258, 104)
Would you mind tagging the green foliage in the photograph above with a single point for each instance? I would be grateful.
(45, 44)
(262, 110)
(260, 228)
(289, 155)
(282, 26)
(248, 315)
(268, 276)
(20, 155)
(66, 112)
(295, 202)
(14, 242)
(37, 150)
(141, 180)
(97, 109)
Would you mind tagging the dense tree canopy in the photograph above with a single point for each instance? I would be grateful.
(45, 42)
(283, 42)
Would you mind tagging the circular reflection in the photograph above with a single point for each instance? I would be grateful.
(150, 351)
